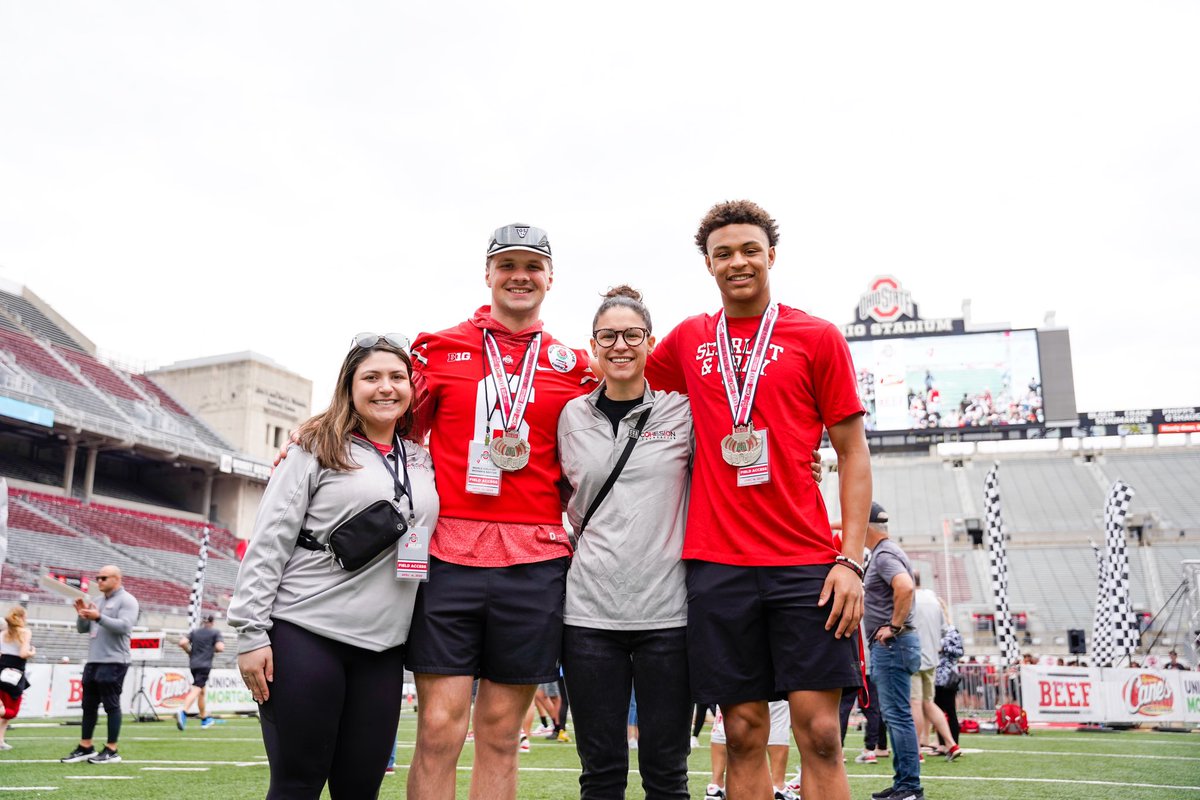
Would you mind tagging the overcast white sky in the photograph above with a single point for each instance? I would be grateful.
(187, 179)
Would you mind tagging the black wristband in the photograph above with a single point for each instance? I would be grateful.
(850, 564)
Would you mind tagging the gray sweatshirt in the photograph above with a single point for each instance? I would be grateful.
(367, 608)
(110, 633)
(627, 573)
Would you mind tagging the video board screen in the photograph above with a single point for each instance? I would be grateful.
(969, 380)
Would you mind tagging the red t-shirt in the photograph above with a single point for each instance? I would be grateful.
(807, 384)
(457, 403)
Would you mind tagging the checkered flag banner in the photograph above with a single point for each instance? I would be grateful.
(1006, 634)
(1102, 615)
(196, 604)
(1112, 586)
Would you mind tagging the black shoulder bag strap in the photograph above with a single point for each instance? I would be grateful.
(635, 433)
(306, 539)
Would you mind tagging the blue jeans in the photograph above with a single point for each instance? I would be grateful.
(892, 666)
(601, 667)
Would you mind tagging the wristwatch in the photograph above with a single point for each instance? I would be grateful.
(895, 629)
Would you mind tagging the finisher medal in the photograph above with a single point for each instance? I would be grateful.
(510, 451)
(744, 446)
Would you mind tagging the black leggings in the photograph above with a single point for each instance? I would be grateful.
(945, 699)
(331, 716)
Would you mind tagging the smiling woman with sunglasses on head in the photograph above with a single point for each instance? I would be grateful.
(325, 594)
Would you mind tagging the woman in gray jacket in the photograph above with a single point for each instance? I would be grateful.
(626, 604)
(324, 595)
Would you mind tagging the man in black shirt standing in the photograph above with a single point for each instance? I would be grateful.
(201, 645)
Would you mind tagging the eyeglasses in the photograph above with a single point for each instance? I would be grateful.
(607, 337)
(371, 339)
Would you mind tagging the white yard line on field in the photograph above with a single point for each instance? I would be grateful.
(1077, 754)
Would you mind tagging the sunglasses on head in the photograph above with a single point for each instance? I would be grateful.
(365, 340)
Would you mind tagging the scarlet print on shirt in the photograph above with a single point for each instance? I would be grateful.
(807, 384)
(706, 354)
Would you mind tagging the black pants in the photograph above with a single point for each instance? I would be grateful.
(602, 667)
(946, 699)
(102, 684)
(331, 716)
(875, 729)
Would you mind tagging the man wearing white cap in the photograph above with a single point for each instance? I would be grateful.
(490, 391)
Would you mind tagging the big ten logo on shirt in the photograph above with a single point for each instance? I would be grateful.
(706, 354)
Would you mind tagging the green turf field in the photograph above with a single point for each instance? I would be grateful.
(227, 761)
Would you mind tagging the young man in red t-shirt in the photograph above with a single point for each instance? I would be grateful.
(773, 604)
(490, 392)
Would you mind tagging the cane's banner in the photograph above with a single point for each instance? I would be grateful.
(1080, 694)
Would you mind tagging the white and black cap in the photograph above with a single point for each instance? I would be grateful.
(519, 237)
(878, 515)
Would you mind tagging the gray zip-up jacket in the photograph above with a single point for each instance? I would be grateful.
(110, 634)
(367, 608)
(627, 573)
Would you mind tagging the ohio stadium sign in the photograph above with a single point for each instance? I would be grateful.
(886, 308)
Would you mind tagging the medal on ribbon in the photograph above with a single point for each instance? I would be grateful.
(744, 446)
(509, 451)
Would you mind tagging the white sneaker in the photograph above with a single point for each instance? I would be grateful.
(785, 794)
(793, 784)
(714, 791)
(695, 742)
(523, 745)
(5, 746)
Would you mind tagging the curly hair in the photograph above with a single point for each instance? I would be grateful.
(735, 212)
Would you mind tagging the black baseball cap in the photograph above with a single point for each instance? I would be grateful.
(878, 515)
(519, 236)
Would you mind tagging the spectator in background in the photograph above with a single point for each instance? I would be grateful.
(108, 622)
(895, 652)
(201, 645)
(1174, 662)
(929, 618)
(16, 646)
(946, 679)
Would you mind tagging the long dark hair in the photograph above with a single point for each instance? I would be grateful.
(325, 435)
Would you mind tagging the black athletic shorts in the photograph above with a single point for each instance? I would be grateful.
(500, 623)
(200, 676)
(755, 633)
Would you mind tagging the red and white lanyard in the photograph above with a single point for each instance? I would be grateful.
(512, 405)
(741, 398)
